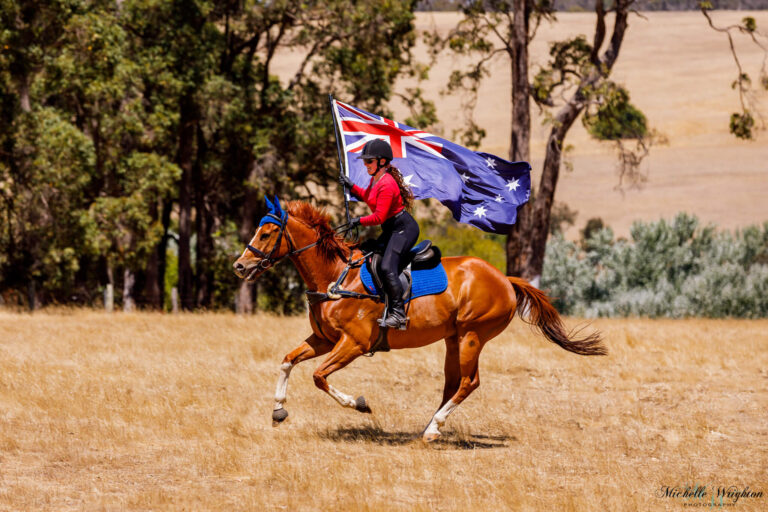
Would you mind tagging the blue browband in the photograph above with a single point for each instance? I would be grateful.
(272, 218)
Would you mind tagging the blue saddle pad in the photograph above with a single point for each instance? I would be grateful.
(425, 282)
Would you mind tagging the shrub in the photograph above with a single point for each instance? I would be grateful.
(668, 269)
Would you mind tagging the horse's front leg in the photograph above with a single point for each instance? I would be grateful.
(313, 346)
(345, 351)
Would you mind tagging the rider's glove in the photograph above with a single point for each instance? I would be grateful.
(345, 181)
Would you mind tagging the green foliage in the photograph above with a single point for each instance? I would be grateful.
(592, 226)
(569, 61)
(121, 226)
(741, 124)
(750, 25)
(668, 269)
(116, 114)
(41, 234)
(615, 117)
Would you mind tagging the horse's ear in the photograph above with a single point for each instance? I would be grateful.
(278, 208)
(270, 206)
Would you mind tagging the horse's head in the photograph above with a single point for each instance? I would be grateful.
(268, 245)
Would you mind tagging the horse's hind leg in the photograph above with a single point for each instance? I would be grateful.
(313, 346)
(468, 354)
(345, 351)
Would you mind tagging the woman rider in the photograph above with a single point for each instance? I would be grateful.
(389, 198)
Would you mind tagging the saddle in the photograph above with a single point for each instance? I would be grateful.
(430, 277)
(423, 256)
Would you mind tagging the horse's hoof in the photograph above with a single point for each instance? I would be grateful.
(361, 406)
(428, 438)
(278, 416)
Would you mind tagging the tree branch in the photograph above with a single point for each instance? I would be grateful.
(599, 32)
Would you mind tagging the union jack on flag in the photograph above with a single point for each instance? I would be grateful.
(479, 188)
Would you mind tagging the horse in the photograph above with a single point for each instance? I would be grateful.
(477, 305)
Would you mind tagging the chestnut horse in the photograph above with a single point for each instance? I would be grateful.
(477, 305)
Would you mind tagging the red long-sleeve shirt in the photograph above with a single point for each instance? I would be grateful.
(383, 197)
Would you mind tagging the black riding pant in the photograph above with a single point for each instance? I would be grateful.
(399, 235)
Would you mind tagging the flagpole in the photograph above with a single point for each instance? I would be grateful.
(338, 151)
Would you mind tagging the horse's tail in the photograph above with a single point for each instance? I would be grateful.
(543, 315)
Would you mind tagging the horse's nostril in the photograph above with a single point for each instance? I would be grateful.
(239, 266)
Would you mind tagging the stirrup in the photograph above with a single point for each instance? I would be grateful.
(402, 324)
(380, 345)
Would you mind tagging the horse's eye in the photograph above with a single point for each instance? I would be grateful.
(264, 236)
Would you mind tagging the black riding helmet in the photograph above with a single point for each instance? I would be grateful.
(377, 148)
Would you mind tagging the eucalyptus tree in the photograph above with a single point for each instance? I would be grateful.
(743, 124)
(95, 77)
(240, 131)
(128, 123)
(575, 79)
(45, 161)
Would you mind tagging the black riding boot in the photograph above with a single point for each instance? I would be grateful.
(396, 311)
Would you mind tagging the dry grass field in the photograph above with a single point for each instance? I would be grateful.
(172, 412)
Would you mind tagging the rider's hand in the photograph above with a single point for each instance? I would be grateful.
(354, 222)
(345, 181)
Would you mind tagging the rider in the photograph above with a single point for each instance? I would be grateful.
(389, 197)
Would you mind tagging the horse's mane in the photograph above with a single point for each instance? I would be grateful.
(331, 243)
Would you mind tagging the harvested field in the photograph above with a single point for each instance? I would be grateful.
(160, 412)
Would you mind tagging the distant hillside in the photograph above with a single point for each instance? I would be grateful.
(642, 5)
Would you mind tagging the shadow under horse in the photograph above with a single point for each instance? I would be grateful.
(477, 305)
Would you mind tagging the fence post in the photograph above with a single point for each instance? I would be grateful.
(175, 300)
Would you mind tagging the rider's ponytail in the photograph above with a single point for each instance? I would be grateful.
(405, 190)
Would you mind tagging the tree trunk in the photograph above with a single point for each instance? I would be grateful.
(520, 141)
(518, 250)
(162, 249)
(527, 241)
(187, 130)
(24, 102)
(32, 295)
(129, 279)
(152, 287)
(246, 300)
(203, 229)
(246, 295)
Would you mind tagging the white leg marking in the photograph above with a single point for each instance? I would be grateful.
(282, 385)
(438, 420)
(343, 399)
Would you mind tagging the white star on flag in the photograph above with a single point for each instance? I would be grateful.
(407, 179)
(499, 199)
(464, 177)
(512, 185)
(480, 211)
(490, 162)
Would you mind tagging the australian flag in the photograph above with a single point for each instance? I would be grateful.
(479, 188)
